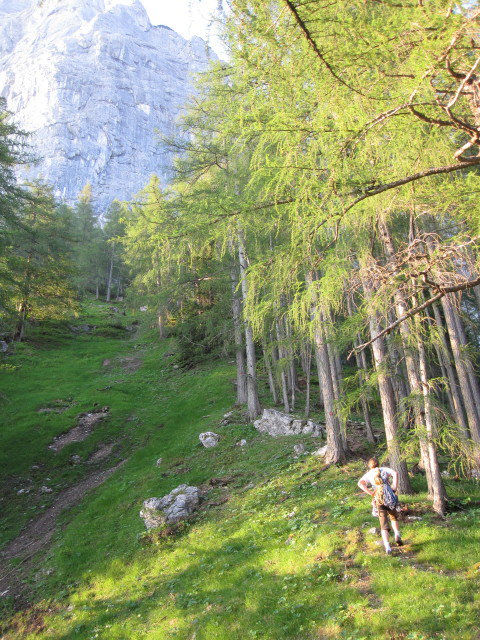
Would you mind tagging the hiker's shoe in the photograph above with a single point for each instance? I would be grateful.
(399, 541)
(388, 552)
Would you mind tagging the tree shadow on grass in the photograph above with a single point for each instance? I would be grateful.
(222, 593)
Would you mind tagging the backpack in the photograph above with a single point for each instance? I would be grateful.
(384, 494)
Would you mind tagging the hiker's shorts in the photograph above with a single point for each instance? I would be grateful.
(384, 514)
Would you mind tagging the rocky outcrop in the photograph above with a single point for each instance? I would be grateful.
(276, 423)
(93, 81)
(209, 439)
(177, 505)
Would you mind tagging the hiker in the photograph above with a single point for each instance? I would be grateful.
(385, 501)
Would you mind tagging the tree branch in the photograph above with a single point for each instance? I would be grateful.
(416, 176)
(443, 291)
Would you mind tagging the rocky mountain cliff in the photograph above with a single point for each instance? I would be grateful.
(94, 81)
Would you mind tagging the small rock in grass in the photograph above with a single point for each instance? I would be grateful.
(321, 453)
(45, 489)
(209, 439)
(22, 491)
(158, 462)
(241, 443)
(177, 505)
(299, 449)
(413, 518)
(76, 459)
(373, 531)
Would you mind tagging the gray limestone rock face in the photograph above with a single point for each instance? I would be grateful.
(93, 81)
(177, 505)
(209, 439)
(276, 423)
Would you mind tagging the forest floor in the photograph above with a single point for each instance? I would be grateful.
(281, 548)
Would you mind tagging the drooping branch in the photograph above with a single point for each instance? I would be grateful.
(374, 191)
(318, 53)
(443, 291)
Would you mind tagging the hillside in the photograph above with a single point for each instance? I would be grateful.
(281, 547)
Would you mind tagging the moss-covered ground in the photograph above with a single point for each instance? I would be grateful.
(280, 548)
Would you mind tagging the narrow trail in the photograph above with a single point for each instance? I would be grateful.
(36, 536)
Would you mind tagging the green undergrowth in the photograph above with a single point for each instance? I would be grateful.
(280, 548)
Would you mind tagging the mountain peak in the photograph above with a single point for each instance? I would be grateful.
(93, 81)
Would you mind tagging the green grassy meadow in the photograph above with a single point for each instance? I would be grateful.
(280, 548)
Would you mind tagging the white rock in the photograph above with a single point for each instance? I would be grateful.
(144, 308)
(322, 452)
(241, 443)
(94, 80)
(373, 531)
(158, 462)
(177, 505)
(45, 489)
(209, 439)
(276, 423)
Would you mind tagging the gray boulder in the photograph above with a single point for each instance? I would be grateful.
(276, 423)
(299, 449)
(3, 346)
(209, 439)
(177, 505)
(322, 452)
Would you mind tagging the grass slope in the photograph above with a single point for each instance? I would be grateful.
(281, 549)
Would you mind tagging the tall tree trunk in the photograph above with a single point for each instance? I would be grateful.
(19, 331)
(438, 490)
(388, 400)
(444, 356)
(271, 378)
(306, 362)
(413, 373)
(253, 404)
(161, 330)
(336, 450)
(110, 273)
(460, 358)
(362, 367)
(282, 358)
(242, 395)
